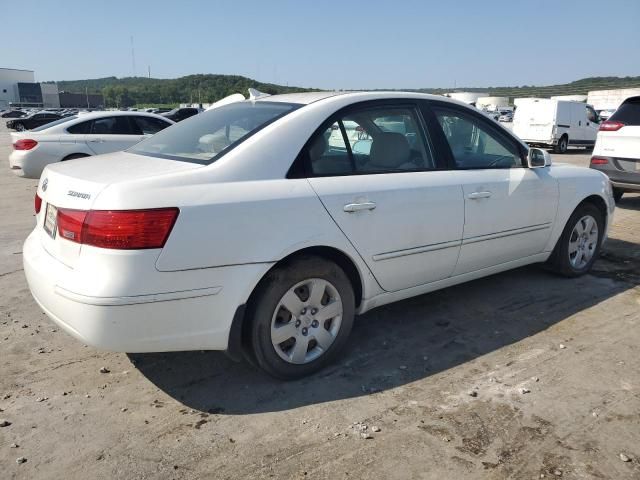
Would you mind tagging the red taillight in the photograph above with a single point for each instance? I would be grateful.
(610, 126)
(70, 224)
(599, 161)
(37, 203)
(117, 229)
(24, 144)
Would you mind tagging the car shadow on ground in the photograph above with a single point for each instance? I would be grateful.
(399, 343)
(629, 201)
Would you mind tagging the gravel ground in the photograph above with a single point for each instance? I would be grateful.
(519, 375)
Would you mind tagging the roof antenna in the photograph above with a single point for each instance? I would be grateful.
(255, 94)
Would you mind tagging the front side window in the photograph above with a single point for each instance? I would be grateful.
(371, 140)
(205, 137)
(474, 144)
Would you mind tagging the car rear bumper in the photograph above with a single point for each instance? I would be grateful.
(624, 179)
(172, 320)
(30, 163)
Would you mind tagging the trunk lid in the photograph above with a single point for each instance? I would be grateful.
(77, 183)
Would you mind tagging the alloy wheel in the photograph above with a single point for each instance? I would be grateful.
(583, 242)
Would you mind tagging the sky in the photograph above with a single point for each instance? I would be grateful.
(349, 44)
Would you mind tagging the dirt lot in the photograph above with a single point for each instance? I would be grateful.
(573, 344)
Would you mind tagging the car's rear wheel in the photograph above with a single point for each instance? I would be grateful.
(617, 194)
(301, 317)
(20, 127)
(562, 145)
(579, 245)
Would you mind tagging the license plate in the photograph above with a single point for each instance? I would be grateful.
(51, 220)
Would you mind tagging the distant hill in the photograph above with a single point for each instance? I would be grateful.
(130, 91)
(578, 87)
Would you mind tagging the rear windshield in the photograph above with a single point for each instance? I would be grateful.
(207, 136)
(628, 113)
(53, 124)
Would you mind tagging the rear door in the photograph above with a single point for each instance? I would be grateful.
(508, 209)
(111, 134)
(381, 184)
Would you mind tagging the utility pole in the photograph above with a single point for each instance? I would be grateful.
(86, 92)
(149, 70)
(133, 59)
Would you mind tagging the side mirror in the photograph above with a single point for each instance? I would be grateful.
(538, 158)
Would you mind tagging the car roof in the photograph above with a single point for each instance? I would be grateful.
(306, 98)
(116, 113)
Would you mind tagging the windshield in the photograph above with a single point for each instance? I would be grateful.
(206, 137)
(53, 124)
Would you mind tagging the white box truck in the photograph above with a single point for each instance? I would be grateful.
(557, 124)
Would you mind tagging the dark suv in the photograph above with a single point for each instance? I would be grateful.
(617, 149)
(179, 114)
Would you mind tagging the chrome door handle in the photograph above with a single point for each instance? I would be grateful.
(356, 207)
(97, 140)
(477, 195)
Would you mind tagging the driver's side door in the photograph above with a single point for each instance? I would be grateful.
(509, 208)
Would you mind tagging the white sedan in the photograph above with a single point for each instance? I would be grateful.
(244, 229)
(80, 136)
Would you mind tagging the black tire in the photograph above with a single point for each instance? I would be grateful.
(559, 261)
(617, 194)
(562, 145)
(74, 155)
(267, 298)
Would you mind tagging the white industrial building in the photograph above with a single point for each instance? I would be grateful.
(610, 99)
(466, 97)
(570, 98)
(492, 103)
(9, 80)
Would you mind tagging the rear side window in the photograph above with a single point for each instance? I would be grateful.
(371, 140)
(53, 124)
(80, 128)
(628, 113)
(149, 125)
(111, 126)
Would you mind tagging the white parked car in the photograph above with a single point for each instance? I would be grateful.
(80, 136)
(617, 150)
(244, 229)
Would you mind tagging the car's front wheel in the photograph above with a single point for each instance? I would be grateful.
(301, 317)
(579, 245)
(20, 128)
(562, 145)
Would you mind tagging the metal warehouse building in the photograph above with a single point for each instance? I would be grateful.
(19, 89)
(10, 79)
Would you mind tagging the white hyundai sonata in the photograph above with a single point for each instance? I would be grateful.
(245, 229)
(80, 136)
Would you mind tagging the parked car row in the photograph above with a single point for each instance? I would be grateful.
(80, 136)
(263, 226)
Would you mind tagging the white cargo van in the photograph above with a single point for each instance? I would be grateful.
(543, 122)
